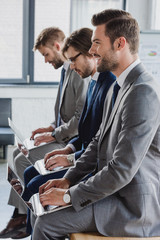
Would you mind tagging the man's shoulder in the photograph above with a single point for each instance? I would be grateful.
(106, 79)
(108, 75)
(73, 75)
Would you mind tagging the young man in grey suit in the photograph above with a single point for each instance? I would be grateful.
(68, 107)
(122, 198)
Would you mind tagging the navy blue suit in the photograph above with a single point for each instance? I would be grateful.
(89, 124)
(91, 118)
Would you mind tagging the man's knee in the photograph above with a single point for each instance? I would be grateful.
(19, 160)
(33, 186)
(29, 173)
(20, 164)
(16, 151)
(39, 229)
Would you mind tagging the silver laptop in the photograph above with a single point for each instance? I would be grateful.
(23, 147)
(29, 143)
(34, 203)
(40, 167)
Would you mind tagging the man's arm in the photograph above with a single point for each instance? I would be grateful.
(86, 164)
(73, 107)
(140, 116)
(74, 98)
(42, 130)
(76, 142)
(53, 191)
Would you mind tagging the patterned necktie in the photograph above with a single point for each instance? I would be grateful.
(115, 93)
(90, 91)
(60, 93)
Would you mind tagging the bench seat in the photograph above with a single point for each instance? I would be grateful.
(96, 236)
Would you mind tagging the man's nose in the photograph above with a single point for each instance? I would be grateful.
(72, 66)
(92, 49)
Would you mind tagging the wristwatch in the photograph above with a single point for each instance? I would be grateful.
(70, 159)
(67, 197)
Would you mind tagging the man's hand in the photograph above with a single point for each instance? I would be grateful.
(41, 130)
(64, 151)
(17, 185)
(55, 183)
(53, 196)
(56, 161)
(43, 138)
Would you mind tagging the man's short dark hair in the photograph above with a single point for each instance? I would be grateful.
(107, 15)
(80, 40)
(119, 23)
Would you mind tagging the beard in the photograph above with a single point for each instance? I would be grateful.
(108, 63)
(86, 72)
(57, 60)
(57, 63)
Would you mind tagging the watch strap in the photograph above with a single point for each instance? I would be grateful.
(70, 158)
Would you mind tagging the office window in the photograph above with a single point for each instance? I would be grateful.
(83, 10)
(68, 21)
(20, 23)
(49, 13)
(11, 22)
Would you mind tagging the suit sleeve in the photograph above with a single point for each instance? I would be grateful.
(86, 164)
(140, 116)
(70, 128)
(78, 154)
(56, 108)
(77, 143)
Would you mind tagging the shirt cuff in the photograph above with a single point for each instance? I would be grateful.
(72, 147)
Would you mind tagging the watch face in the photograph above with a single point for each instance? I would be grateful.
(66, 198)
(70, 159)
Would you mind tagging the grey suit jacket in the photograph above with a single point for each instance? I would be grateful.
(125, 192)
(71, 105)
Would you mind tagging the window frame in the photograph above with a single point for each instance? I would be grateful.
(28, 12)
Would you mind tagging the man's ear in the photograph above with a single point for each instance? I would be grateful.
(57, 46)
(120, 43)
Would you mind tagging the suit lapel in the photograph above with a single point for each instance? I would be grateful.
(98, 85)
(108, 118)
(94, 96)
(68, 72)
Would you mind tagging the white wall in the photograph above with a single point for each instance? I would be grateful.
(32, 107)
(141, 10)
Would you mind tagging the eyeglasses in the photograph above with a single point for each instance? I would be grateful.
(73, 59)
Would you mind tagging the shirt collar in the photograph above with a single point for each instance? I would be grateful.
(66, 65)
(95, 76)
(124, 74)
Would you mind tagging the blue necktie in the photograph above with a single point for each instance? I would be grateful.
(90, 91)
(115, 93)
(60, 92)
